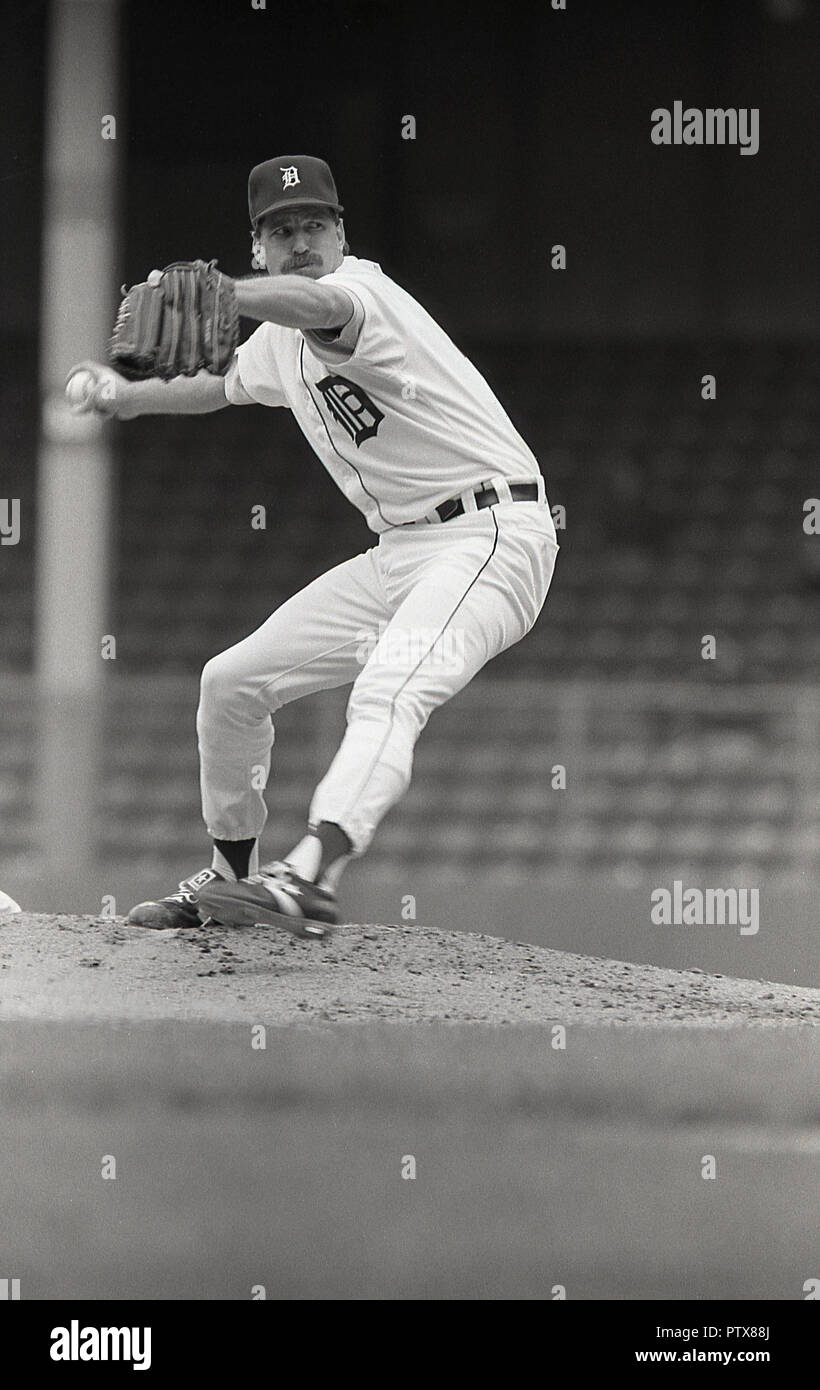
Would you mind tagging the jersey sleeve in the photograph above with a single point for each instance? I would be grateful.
(373, 337)
(235, 393)
(337, 345)
(256, 372)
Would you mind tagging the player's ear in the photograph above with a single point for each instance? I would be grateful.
(258, 258)
(340, 237)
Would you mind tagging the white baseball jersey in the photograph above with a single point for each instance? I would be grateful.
(399, 417)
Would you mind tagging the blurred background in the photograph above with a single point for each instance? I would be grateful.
(684, 517)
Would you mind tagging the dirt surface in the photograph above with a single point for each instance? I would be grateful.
(275, 1157)
(67, 967)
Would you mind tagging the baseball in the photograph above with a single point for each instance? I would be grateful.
(8, 904)
(79, 387)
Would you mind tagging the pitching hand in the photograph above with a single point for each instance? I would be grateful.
(92, 387)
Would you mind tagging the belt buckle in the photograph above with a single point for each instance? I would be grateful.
(449, 509)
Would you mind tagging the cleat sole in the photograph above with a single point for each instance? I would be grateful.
(238, 912)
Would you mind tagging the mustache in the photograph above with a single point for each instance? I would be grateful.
(300, 264)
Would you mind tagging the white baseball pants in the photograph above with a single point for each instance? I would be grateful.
(409, 622)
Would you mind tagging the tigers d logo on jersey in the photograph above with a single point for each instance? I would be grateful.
(351, 406)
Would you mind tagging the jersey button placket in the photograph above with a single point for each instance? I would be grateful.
(316, 426)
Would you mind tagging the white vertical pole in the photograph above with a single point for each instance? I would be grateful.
(74, 488)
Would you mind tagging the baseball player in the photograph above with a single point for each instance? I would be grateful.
(414, 437)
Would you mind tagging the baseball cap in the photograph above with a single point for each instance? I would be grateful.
(290, 181)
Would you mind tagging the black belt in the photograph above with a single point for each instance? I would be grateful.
(487, 497)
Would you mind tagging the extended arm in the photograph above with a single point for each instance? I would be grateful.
(182, 395)
(293, 301)
(114, 395)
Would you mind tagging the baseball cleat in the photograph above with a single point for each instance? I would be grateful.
(277, 897)
(180, 909)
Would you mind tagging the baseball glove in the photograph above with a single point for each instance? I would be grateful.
(182, 319)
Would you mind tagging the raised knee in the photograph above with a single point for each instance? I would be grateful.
(217, 682)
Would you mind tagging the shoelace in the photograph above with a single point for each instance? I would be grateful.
(187, 890)
(283, 882)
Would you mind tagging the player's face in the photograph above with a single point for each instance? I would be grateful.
(304, 241)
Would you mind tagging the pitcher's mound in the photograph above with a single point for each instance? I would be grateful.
(96, 968)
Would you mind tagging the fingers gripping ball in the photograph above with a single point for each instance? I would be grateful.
(79, 387)
(177, 322)
(90, 386)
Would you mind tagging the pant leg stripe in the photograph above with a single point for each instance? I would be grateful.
(420, 661)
